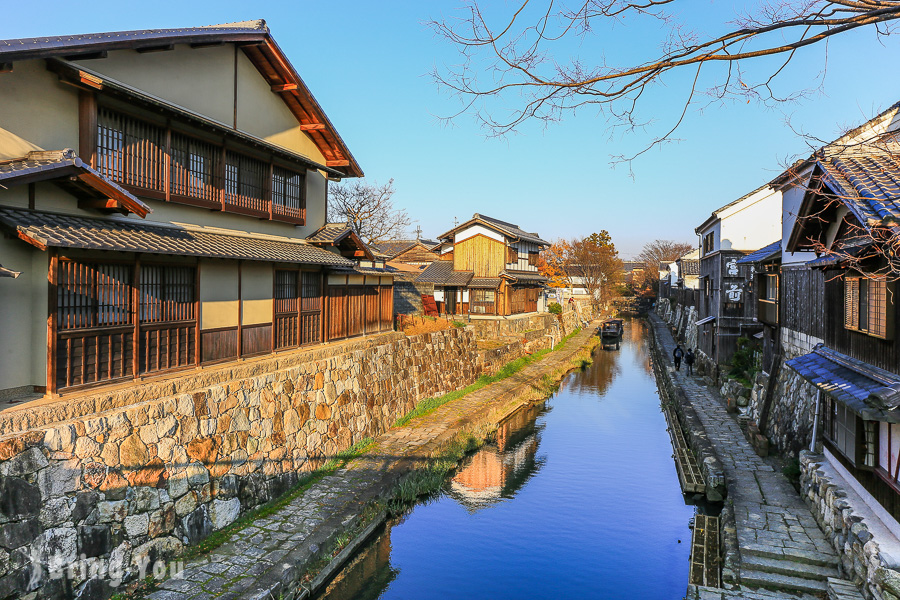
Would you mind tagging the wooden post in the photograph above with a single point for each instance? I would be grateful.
(52, 324)
(167, 173)
(136, 312)
(325, 309)
(87, 127)
(197, 348)
(240, 334)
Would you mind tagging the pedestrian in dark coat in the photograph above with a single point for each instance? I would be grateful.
(689, 361)
(678, 354)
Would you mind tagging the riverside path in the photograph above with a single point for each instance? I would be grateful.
(781, 546)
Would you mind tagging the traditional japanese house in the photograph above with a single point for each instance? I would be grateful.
(850, 216)
(488, 267)
(156, 191)
(763, 298)
(417, 253)
(729, 234)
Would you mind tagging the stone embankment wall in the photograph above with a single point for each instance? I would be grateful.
(106, 495)
(862, 559)
(521, 336)
(793, 406)
(683, 321)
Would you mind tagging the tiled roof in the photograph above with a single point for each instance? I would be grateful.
(65, 231)
(59, 164)
(485, 282)
(524, 277)
(330, 233)
(511, 229)
(441, 272)
(25, 48)
(631, 265)
(770, 251)
(856, 384)
(688, 266)
(867, 181)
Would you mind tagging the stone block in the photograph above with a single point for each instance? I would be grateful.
(224, 512)
(19, 533)
(24, 463)
(137, 525)
(94, 540)
(60, 478)
(18, 498)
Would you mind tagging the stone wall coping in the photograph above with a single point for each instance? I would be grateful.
(46, 412)
(820, 469)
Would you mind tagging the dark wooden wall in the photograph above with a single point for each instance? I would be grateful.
(803, 300)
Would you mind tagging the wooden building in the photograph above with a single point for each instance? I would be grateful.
(487, 267)
(763, 285)
(417, 253)
(157, 189)
(729, 234)
(853, 199)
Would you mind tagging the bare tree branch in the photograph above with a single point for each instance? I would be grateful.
(369, 209)
(514, 60)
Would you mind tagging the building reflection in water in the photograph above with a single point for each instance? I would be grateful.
(499, 470)
(368, 575)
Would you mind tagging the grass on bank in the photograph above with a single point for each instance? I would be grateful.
(269, 508)
(429, 405)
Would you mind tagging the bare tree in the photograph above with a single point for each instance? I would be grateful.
(595, 261)
(656, 252)
(369, 209)
(516, 59)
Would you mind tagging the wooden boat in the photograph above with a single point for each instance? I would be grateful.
(612, 329)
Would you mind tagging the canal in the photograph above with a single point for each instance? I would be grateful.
(578, 499)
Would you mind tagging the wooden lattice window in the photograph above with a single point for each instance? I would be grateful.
(512, 255)
(131, 151)
(245, 181)
(288, 193)
(533, 258)
(868, 306)
(93, 295)
(195, 168)
(167, 293)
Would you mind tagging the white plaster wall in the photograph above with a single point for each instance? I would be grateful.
(218, 294)
(23, 316)
(753, 223)
(256, 293)
(476, 230)
(790, 203)
(38, 112)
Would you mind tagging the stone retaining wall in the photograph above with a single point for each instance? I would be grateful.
(125, 487)
(861, 557)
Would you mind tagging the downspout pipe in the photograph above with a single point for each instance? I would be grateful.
(815, 431)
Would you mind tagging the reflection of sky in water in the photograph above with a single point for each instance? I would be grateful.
(589, 504)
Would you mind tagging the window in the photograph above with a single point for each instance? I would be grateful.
(194, 168)
(288, 192)
(298, 308)
(841, 430)
(708, 243)
(867, 307)
(483, 302)
(533, 258)
(93, 295)
(771, 288)
(512, 255)
(131, 151)
(167, 293)
(244, 182)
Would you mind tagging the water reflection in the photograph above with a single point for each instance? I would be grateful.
(497, 471)
(578, 500)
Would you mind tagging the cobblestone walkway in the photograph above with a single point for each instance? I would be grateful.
(264, 560)
(780, 544)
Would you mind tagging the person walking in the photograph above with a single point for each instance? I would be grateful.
(678, 354)
(689, 361)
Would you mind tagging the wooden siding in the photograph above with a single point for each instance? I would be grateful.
(875, 351)
(481, 254)
(803, 301)
(416, 255)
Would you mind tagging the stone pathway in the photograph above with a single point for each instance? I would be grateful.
(268, 558)
(781, 546)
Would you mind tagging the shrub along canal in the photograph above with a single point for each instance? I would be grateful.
(579, 498)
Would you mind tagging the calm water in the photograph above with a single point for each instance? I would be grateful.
(577, 500)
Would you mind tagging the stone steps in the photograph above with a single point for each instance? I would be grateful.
(841, 589)
(777, 581)
(788, 567)
(792, 554)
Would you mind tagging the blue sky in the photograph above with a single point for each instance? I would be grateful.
(368, 64)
